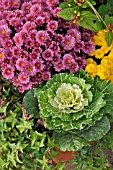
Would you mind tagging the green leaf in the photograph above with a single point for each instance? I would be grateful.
(109, 38)
(97, 131)
(66, 13)
(31, 103)
(60, 165)
(68, 141)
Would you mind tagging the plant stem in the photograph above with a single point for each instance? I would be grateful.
(96, 13)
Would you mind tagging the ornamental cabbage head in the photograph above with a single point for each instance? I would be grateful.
(76, 106)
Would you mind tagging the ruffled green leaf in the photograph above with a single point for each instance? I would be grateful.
(31, 103)
(97, 131)
(67, 141)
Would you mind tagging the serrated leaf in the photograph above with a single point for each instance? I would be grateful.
(66, 13)
(97, 131)
(68, 141)
(109, 38)
(31, 103)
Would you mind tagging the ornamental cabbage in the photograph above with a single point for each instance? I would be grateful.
(76, 106)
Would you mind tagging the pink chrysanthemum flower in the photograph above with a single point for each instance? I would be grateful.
(35, 9)
(8, 72)
(28, 26)
(18, 39)
(37, 50)
(24, 54)
(15, 4)
(68, 60)
(48, 55)
(13, 60)
(26, 86)
(55, 12)
(56, 58)
(88, 47)
(74, 67)
(30, 17)
(58, 38)
(46, 17)
(39, 20)
(59, 66)
(52, 25)
(38, 64)
(52, 2)
(8, 44)
(32, 34)
(7, 60)
(4, 31)
(29, 43)
(6, 4)
(2, 52)
(10, 15)
(26, 7)
(39, 77)
(33, 56)
(74, 33)
(15, 21)
(21, 64)
(78, 45)
(23, 78)
(17, 51)
(46, 75)
(41, 37)
(54, 47)
(81, 62)
(19, 13)
(16, 81)
(68, 42)
(86, 36)
(30, 69)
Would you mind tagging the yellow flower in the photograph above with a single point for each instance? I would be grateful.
(106, 62)
(91, 69)
(99, 53)
(95, 39)
(111, 54)
(101, 33)
(101, 41)
(111, 78)
(90, 61)
(103, 72)
(92, 53)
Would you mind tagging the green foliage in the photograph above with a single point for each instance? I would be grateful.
(78, 111)
(93, 15)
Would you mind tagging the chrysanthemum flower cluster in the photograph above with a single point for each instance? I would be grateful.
(105, 55)
(35, 42)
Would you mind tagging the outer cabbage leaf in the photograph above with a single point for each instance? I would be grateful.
(97, 131)
(67, 141)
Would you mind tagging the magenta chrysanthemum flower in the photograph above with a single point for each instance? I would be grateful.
(81, 62)
(16, 81)
(74, 33)
(2, 52)
(86, 36)
(13, 60)
(55, 12)
(8, 44)
(59, 66)
(39, 77)
(88, 47)
(68, 42)
(21, 64)
(26, 86)
(39, 20)
(18, 39)
(52, 25)
(38, 64)
(24, 54)
(28, 26)
(35, 9)
(33, 56)
(26, 7)
(17, 51)
(48, 55)
(23, 78)
(54, 47)
(29, 43)
(15, 21)
(15, 4)
(58, 38)
(4, 31)
(30, 69)
(46, 75)
(52, 2)
(68, 60)
(41, 37)
(74, 67)
(56, 58)
(8, 72)
(6, 4)
(78, 45)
